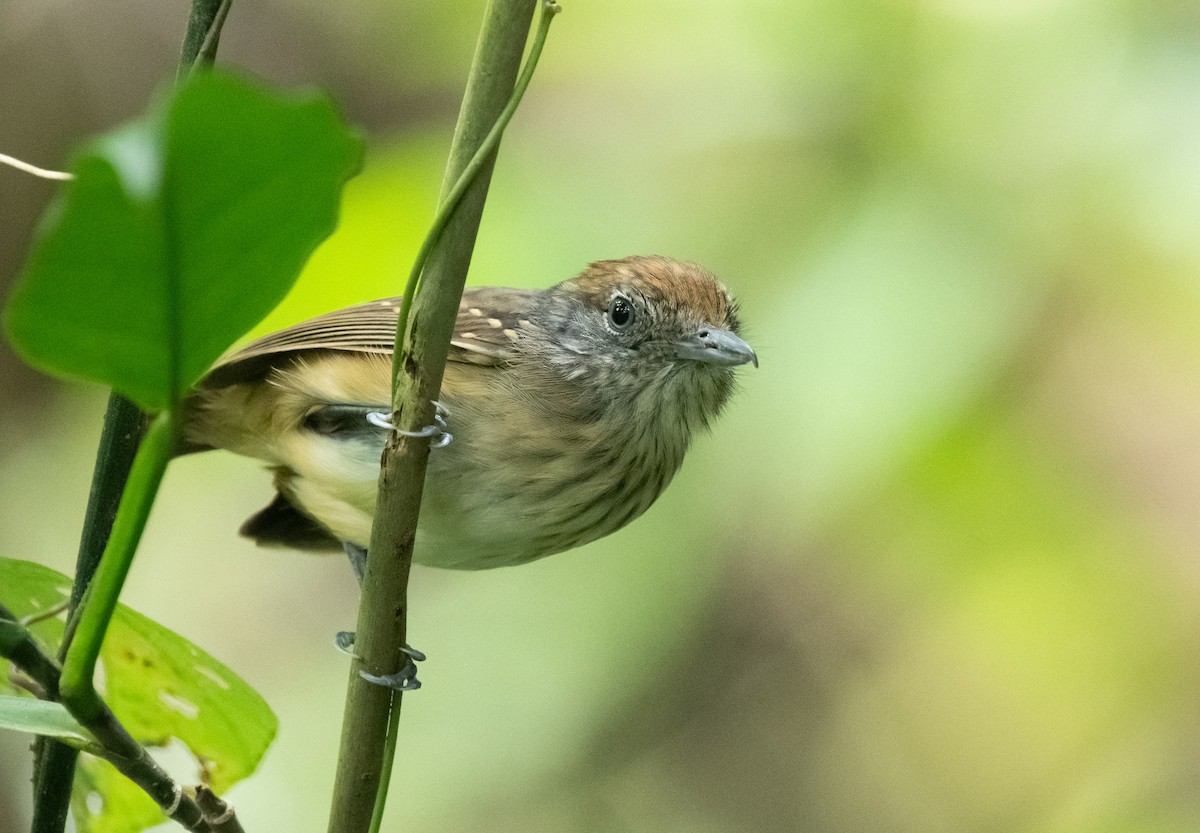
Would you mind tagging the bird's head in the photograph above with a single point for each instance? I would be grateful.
(646, 329)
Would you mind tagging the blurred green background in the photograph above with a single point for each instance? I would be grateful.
(937, 568)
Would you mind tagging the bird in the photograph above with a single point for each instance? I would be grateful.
(571, 409)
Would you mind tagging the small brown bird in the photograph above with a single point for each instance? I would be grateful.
(570, 410)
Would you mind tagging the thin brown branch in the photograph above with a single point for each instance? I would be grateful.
(383, 612)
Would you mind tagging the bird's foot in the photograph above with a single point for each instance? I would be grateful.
(438, 435)
(406, 678)
(403, 680)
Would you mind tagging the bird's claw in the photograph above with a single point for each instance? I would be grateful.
(438, 436)
(437, 433)
(403, 680)
(344, 642)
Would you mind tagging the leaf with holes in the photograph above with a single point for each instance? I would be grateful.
(105, 801)
(165, 690)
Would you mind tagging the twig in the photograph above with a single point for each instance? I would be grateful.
(113, 741)
(205, 19)
(54, 766)
(207, 54)
(484, 155)
(383, 610)
(124, 423)
(78, 692)
(219, 815)
(18, 647)
(44, 173)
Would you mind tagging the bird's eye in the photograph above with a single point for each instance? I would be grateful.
(620, 312)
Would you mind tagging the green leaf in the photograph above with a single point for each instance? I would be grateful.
(40, 717)
(161, 686)
(179, 232)
(105, 801)
(29, 589)
(165, 690)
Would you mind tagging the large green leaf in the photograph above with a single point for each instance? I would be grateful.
(179, 232)
(166, 692)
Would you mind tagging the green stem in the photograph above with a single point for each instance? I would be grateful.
(18, 647)
(202, 22)
(54, 763)
(385, 771)
(359, 788)
(450, 202)
(446, 210)
(206, 56)
(78, 690)
(111, 741)
(124, 423)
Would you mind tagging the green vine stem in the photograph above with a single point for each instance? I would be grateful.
(54, 763)
(76, 687)
(113, 743)
(124, 423)
(360, 788)
(445, 212)
(202, 35)
(482, 156)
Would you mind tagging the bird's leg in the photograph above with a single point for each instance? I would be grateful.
(437, 433)
(358, 559)
(406, 678)
(344, 640)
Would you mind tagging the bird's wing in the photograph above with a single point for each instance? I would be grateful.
(486, 332)
(490, 320)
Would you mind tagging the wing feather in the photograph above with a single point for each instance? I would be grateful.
(488, 328)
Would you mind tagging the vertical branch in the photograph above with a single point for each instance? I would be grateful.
(383, 611)
(203, 32)
(124, 425)
(54, 763)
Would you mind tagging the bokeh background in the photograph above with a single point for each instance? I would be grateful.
(937, 569)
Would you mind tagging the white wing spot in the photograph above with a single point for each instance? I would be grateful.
(511, 335)
(467, 335)
(523, 322)
(476, 311)
(495, 323)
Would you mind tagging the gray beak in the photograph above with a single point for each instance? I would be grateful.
(714, 346)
